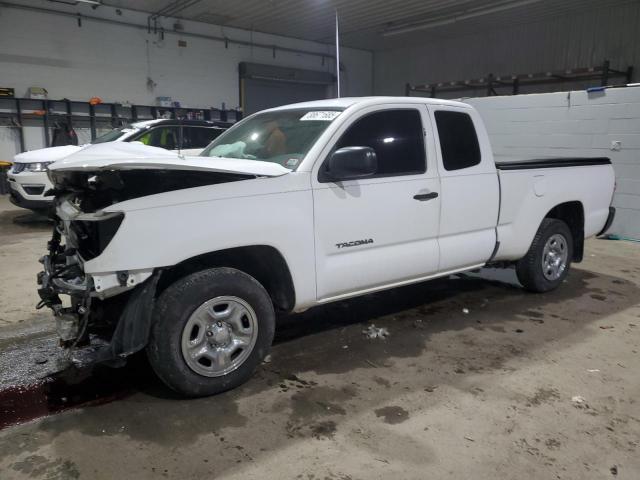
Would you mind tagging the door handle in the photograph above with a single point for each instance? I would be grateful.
(423, 197)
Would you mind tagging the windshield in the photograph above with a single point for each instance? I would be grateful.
(112, 135)
(281, 136)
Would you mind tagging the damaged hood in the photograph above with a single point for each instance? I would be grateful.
(136, 156)
(105, 174)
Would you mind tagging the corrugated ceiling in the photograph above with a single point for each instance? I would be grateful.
(366, 23)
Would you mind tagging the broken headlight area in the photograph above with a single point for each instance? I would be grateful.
(94, 235)
(85, 235)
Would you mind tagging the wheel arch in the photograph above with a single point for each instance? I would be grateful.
(265, 263)
(571, 213)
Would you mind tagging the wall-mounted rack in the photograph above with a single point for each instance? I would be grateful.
(45, 113)
(491, 84)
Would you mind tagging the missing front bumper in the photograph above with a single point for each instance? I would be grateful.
(98, 330)
(56, 280)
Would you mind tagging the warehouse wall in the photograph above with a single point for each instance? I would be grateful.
(574, 124)
(579, 39)
(113, 61)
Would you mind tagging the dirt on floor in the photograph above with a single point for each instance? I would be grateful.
(476, 379)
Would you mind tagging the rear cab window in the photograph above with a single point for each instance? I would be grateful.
(458, 140)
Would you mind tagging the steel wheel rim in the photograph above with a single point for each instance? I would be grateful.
(219, 336)
(555, 256)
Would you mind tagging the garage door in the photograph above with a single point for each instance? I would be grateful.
(266, 86)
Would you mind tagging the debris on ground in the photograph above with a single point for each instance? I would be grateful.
(465, 311)
(372, 332)
(579, 401)
(593, 370)
(606, 327)
(41, 360)
(267, 359)
(614, 470)
(466, 437)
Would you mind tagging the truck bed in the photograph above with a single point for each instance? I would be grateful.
(530, 189)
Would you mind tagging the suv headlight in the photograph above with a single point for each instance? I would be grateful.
(31, 167)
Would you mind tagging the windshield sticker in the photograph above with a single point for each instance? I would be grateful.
(292, 162)
(320, 115)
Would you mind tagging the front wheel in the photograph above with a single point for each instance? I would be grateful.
(547, 262)
(212, 329)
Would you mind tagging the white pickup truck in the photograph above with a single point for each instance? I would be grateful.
(297, 206)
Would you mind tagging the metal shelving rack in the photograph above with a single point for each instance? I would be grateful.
(489, 84)
(20, 112)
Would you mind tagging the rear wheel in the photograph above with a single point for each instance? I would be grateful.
(547, 262)
(212, 329)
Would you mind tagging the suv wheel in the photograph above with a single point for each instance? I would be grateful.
(212, 329)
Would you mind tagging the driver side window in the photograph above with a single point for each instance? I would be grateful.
(397, 138)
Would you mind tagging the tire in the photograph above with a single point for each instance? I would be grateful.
(188, 325)
(532, 274)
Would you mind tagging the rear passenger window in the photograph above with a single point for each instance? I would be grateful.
(395, 135)
(458, 140)
(199, 137)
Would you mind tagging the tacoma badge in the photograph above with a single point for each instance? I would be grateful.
(354, 243)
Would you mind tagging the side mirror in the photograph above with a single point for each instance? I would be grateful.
(350, 163)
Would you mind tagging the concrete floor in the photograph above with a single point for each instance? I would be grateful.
(484, 394)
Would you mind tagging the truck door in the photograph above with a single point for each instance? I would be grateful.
(470, 193)
(379, 231)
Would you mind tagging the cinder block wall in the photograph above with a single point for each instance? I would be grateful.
(571, 124)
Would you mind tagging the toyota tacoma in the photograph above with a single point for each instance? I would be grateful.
(189, 258)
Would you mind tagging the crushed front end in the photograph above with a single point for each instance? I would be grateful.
(103, 310)
(100, 317)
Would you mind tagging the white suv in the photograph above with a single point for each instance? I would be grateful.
(28, 179)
